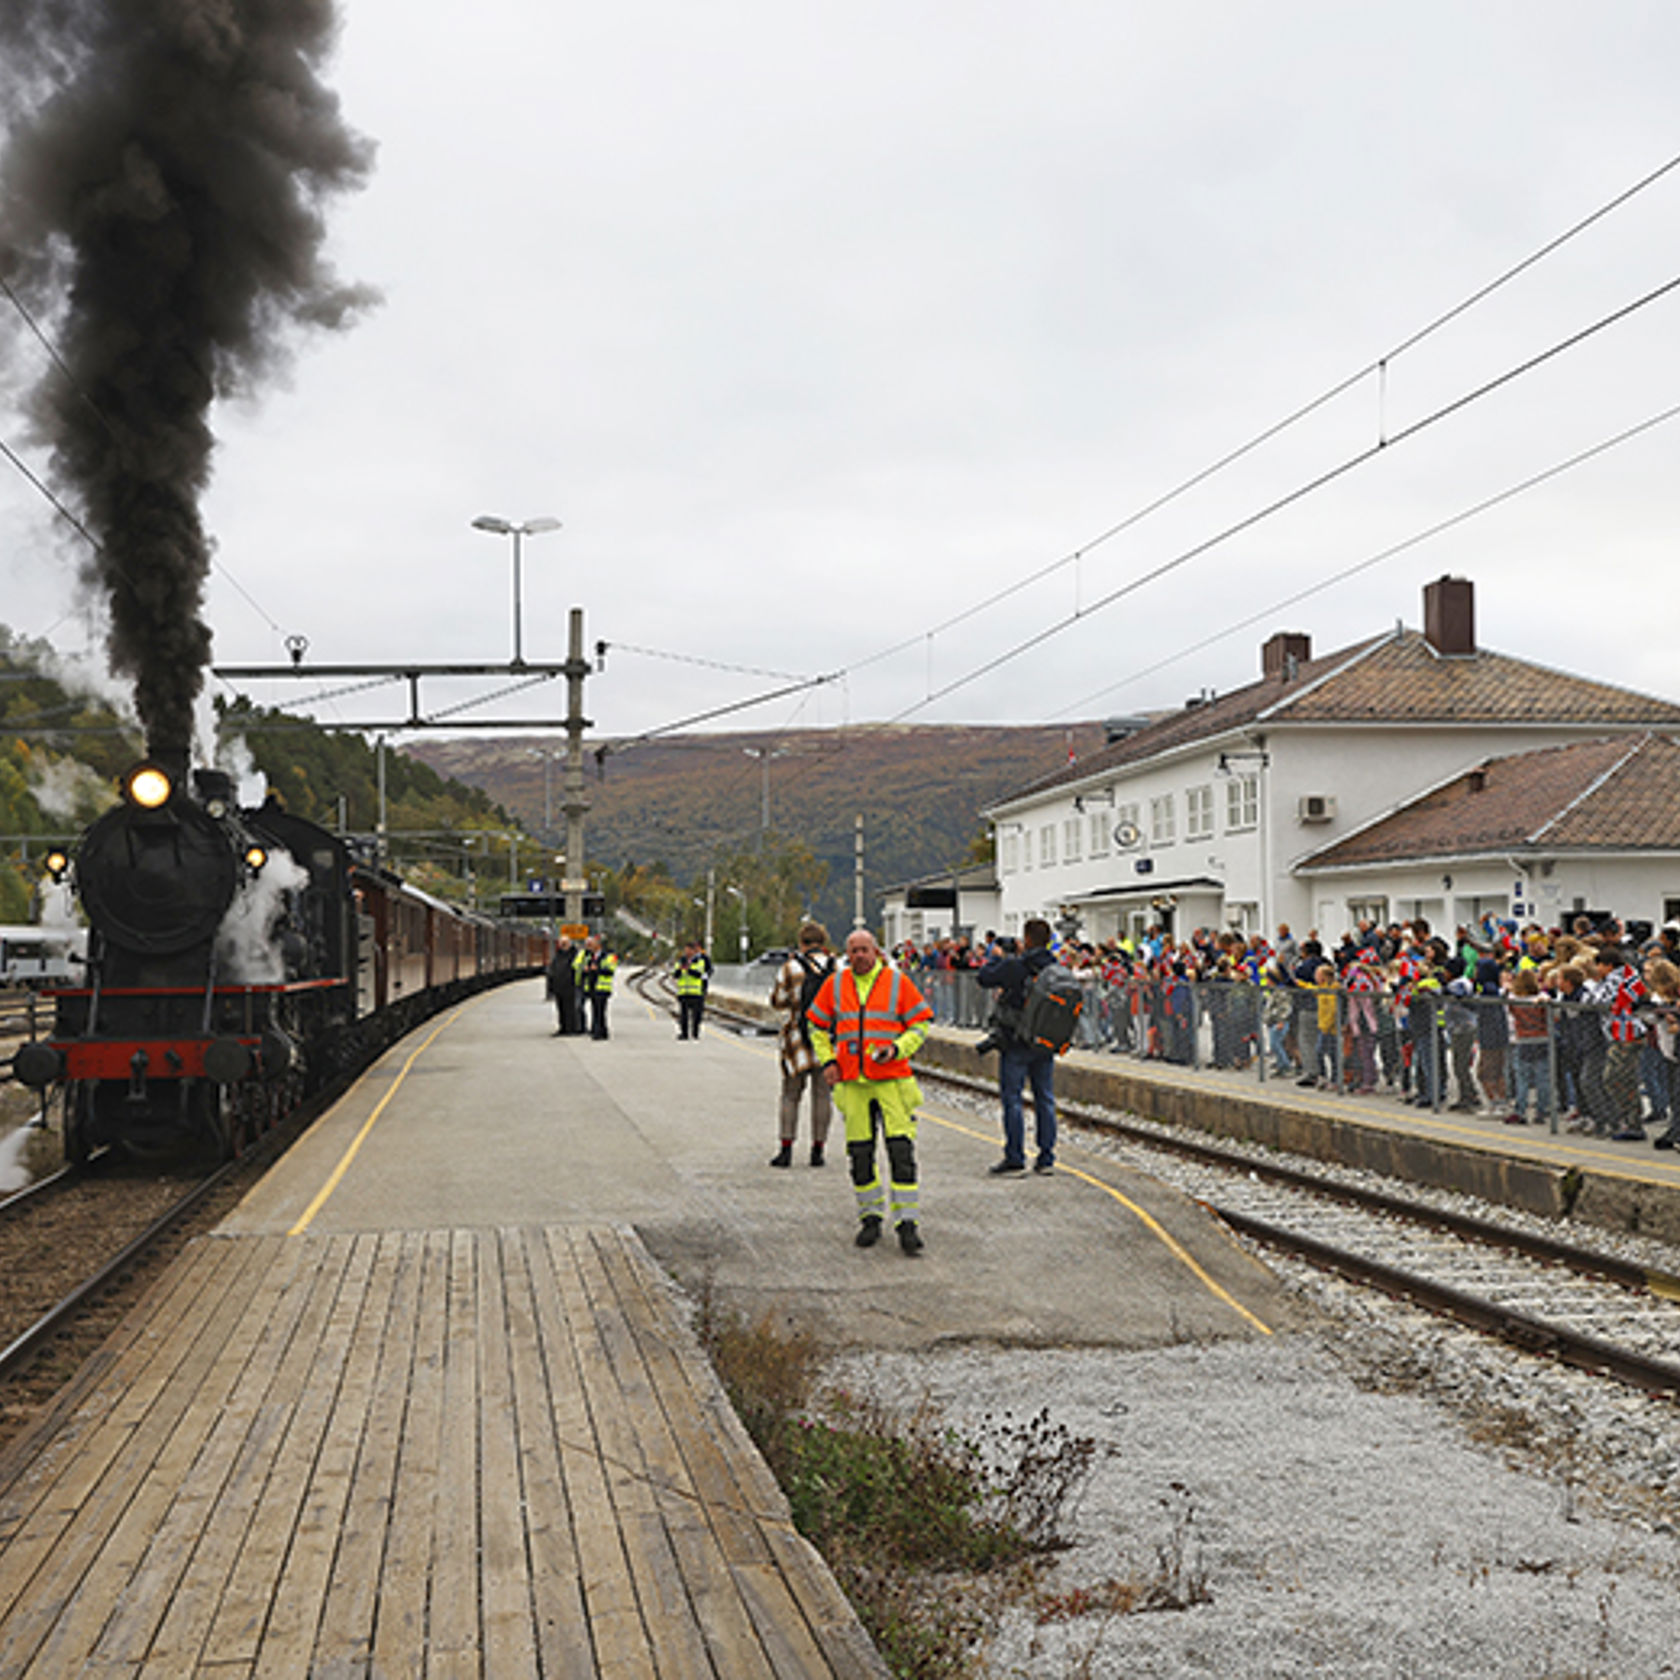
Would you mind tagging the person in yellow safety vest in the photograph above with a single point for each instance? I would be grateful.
(694, 974)
(599, 965)
(866, 1022)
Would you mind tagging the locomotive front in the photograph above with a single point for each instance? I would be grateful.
(179, 1029)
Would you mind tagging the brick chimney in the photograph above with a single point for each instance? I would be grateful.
(1283, 652)
(1449, 615)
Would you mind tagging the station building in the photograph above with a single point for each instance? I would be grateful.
(960, 903)
(1411, 774)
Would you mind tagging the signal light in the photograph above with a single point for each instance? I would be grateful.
(255, 858)
(149, 787)
(58, 864)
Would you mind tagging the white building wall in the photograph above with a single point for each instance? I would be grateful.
(1458, 893)
(1366, 771)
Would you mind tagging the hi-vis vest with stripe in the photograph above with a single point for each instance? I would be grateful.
(855, 1028)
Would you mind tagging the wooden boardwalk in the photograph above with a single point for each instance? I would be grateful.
(407, 1454)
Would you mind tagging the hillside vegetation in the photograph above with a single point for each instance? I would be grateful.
(467, 817)
(684, 802)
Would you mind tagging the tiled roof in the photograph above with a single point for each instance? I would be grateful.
(1396, 678)
(1619, 794)
(1402, 679)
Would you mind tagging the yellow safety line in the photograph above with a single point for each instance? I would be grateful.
(1147, 1219)
(349, 1155)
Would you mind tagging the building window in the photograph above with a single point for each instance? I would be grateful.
(1099, 833)
(1126, 821)
(1011, 852)
(1163, 820)
(1073, 831)
(1198, 813)
(1242, 916)
(1242, 803)
(1047, 846)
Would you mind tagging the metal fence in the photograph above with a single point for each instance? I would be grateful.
(1546, 1061)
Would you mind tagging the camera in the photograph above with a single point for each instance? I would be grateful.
(992, 1041)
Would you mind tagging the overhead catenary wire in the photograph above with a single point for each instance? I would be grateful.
(1463, 516)
(1290, 498)
(709, 664)
(1379, 367)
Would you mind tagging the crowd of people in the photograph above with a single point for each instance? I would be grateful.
(1525, 1024)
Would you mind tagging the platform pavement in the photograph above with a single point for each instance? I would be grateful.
(497, 1123)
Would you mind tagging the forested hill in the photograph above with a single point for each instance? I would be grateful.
(681, 800)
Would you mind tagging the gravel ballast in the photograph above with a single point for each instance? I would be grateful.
(1337, 1528)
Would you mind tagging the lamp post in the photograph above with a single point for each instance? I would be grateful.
(518, 529)
(743, 898)
(764, 755)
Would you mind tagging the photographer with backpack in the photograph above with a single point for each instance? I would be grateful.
(1027, 1033)
(797, 984)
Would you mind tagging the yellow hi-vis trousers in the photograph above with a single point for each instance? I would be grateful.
(887, 1106)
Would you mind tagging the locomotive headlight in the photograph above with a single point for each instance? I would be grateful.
(149, 787)
(58, 864)
(255, 858)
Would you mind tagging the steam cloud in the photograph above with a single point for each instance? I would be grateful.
(165, 170)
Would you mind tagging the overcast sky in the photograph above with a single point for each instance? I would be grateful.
(818, 324)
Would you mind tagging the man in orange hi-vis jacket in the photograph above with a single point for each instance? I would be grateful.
(866, 1023)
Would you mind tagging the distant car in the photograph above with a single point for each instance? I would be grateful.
(772, 959)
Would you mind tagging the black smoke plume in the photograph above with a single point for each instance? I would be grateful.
(165, 170)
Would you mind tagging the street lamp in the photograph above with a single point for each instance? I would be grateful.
(743, 898)
(518, 530)
(764, 755)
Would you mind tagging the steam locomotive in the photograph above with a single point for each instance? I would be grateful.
(238, 960)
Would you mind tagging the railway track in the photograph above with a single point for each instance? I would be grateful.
(67, 1239)
(78, 1247)
(1583, 1307)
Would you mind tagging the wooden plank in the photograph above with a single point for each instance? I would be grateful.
(510, 1645)
(289, 1639)
(55, 1435)
(559, 1614)
(797, 1608)
(35, 1466)
(157, 1412)
(622, 1647)
(453, 1639)
(739, 1497)
(301, 1398)
(168, 1605)
(679, 1648)
(731, 1638)
(399, 1636)
(344, 1644)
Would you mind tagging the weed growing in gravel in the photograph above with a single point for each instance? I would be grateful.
(902, 1506)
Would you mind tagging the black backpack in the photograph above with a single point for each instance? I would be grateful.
(1050, 1015)
(816, 970)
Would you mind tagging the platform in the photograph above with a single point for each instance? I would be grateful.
(427, 1404)
(408, 1454)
